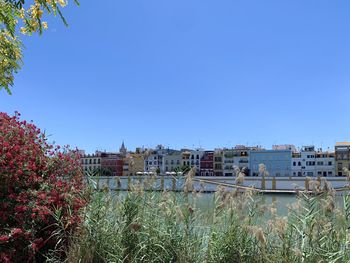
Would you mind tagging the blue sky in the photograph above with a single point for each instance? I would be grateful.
(189, 73)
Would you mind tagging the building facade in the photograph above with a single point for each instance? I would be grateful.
(172, 161)
(195, 158)
(311, 162)
(277, 162)
(91, 162)
(237, 157)
(134, 164)
(218, 163)
(207, 164)
(111, 164)
(342, 158)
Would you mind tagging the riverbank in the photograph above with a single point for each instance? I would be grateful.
(209, 184)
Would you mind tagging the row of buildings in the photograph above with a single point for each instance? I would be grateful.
(281, 160)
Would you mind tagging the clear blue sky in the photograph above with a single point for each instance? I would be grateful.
(190, 73)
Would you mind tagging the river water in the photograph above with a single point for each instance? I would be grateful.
(205, 201)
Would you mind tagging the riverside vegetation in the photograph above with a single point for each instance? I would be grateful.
(146, 226)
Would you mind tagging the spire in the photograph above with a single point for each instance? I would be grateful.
(123, 149)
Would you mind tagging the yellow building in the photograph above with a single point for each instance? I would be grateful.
(342, 158)
(133, 164)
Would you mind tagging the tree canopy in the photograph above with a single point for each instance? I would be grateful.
(21, 17)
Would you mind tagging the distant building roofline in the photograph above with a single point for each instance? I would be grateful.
(342, 143)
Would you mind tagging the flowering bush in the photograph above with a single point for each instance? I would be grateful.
(40, 193)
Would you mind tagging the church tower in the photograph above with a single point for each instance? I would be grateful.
(123, 149)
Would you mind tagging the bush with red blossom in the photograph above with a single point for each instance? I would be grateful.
(41, 193)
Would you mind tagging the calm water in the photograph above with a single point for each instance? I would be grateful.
(205, 201)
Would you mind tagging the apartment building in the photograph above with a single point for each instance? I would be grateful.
(218, 162)
(207, 164)
(342, 158)
(172, 161)
(112, 163)
(312, 162)
(91, 162)
(237, 157)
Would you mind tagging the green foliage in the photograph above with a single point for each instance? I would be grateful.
(14, 18)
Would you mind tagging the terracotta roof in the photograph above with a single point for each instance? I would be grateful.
(342, 143)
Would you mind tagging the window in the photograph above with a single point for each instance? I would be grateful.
(166, 161)
(192, 157)
(197, 157)
(178, 162)
(294, 163)
(299, 163)
(340, 166)
(218, 166)
(310, 174)
(319, 163)
(330, 163)
(94, 161)
(90, 161)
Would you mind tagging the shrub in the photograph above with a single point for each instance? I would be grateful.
(40, 193)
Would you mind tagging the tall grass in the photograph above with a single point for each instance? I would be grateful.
(145, 226)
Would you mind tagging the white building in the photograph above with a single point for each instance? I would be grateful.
(171, 162)
(91, 162)
(309, 162)
(192, 158)
(154, 162)
(163, 160)
(236, 157)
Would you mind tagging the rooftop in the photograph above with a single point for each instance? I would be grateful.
(342, 143)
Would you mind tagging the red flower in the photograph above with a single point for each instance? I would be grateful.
(38, 243)
(16, 232)
(4, 239)
(20, 208)
(31, 172)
